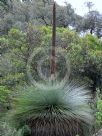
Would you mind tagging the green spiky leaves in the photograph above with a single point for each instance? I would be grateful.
(58, 100)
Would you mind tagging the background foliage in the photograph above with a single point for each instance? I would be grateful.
(84, 53)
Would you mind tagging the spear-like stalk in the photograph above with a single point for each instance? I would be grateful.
(53, 53)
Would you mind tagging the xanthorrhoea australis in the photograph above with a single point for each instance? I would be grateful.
(54, 110)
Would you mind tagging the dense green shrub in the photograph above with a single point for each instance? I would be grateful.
(86, 60)
(84, 54)
(4, 98)
(99, 113)
(7, 130)
(12, 59)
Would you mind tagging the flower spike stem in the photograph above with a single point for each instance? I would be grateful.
(53, 53)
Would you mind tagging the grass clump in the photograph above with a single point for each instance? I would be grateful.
(53, 110)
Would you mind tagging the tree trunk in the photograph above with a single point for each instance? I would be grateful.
(58, 126)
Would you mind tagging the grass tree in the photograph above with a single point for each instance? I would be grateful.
(53, 110)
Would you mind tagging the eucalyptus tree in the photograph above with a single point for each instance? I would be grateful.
(89, 5)
(90, 22)
(6, 18)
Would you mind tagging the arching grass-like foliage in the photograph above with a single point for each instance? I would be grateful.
(53, 110)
